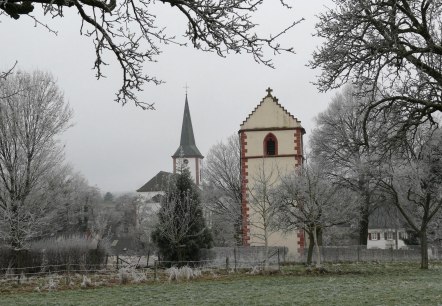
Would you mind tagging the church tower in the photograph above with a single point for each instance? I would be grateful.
(271, 147)
(187, 154)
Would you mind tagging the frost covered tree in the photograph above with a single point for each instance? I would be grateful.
(413, 182)
(222, 187)
(181, 232)
(338, 143)
(263, 202)
(133, 34)
(76, 200)
(33, 114)
(308, 200)
(392, 49)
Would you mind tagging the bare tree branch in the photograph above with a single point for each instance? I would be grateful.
(394, 47)
(129, 31)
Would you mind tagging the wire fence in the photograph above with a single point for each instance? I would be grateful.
(221, 261)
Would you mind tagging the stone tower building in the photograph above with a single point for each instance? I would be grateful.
(271, 146)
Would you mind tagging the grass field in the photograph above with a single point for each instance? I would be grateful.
(347, 284)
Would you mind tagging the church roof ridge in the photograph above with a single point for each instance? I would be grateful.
(276, 101)
(158, 183)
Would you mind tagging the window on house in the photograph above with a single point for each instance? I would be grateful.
(389, 236)
(270, 145)
(375, 236)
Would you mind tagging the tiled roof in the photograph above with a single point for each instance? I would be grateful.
(157, 183)
(187, 146)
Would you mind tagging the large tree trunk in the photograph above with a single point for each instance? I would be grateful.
(238, 236)
(319, 235)
(318, 251)
(311, 243)
(266, 249)
(424, 249)
(364, 209)
(363, 223)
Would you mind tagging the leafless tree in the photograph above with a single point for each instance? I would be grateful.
(76, 201)
(222, 185)
(30, 121)
(309, 201)
(393, 47)
(414, 180)
(263, 205)
(131, 32)
(338, 144)
(4, 74)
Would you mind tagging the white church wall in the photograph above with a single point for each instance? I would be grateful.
(269, 116)
(194, 166)
(255, 142)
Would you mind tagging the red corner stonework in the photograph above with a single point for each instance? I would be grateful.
(298, 146)
(244, 181)
(301, 242)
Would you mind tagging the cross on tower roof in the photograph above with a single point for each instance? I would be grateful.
(269, 92)
(186, 87)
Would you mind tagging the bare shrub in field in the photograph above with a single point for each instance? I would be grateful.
(138, 276)
(173, 273)
(255, 270)
(86, 283)
(52, 283)
(130, 275)
(23, 279)
(184, 272)
(123, 276)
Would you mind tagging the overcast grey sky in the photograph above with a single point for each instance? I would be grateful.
(120, 148)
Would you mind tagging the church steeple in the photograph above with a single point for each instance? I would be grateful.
(187, 146)
(187, 153)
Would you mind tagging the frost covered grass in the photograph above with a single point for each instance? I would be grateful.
(344, 284)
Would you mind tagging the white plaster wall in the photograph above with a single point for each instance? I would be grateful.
(192, 165)
(270, 115)
(384, 243)
(255, 142)
(271, 169)
(149, 195)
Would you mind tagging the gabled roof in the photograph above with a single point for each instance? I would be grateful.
(157, 183)
(386, 217)
(270, 114)
(187, 146)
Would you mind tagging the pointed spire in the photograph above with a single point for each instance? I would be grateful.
(187, 146)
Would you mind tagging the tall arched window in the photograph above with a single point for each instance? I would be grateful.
(270, 145)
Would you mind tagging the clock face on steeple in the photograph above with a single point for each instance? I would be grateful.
(185, 161)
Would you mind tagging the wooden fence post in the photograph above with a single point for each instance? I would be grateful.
(227, 264)
(155, 264)
(359, 247)
(117, 262)
(68, 276)
(234, 256)
(279, 263)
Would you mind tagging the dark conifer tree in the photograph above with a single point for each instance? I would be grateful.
(181, 232)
